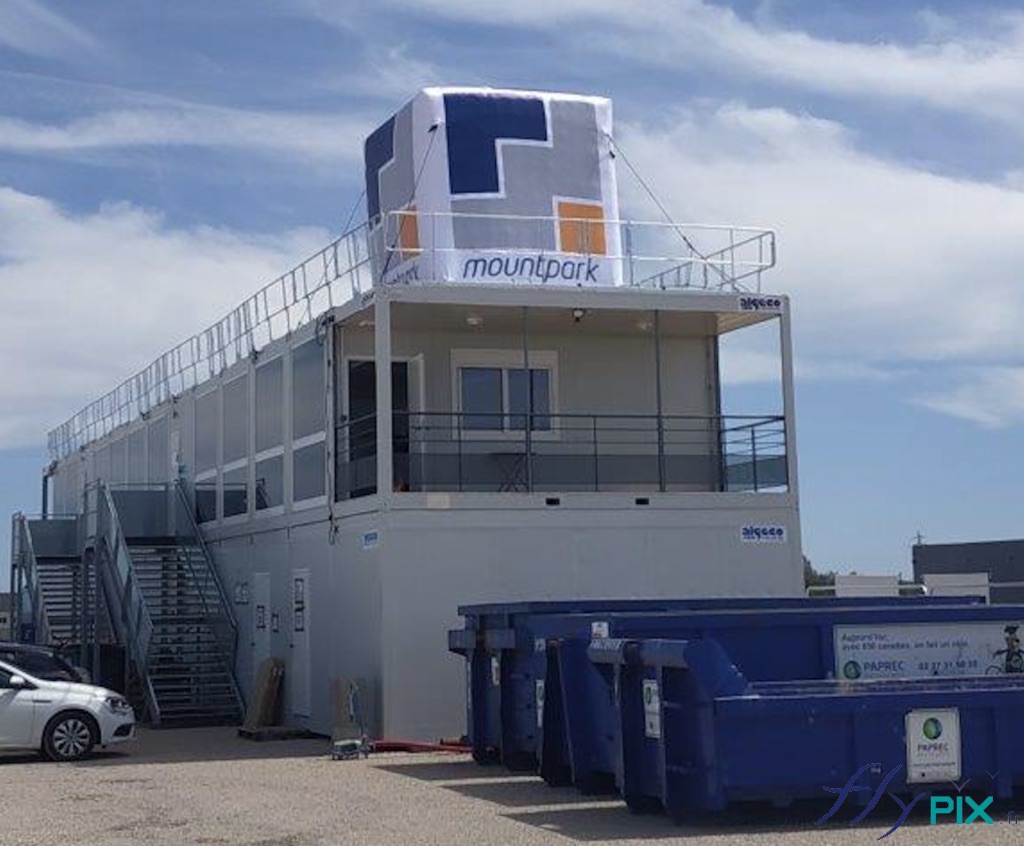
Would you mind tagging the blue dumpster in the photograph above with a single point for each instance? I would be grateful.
(507, 652)
(696, 735)
(505, 645)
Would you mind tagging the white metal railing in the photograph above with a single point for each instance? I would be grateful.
(330, 277)
(641, 253)
(644, 255)
(25, 576)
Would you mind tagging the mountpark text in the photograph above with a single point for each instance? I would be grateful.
(531, 267)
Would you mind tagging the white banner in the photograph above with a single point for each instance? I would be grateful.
(917, 650)
(490, 185)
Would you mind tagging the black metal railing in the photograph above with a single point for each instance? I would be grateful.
(445, 451)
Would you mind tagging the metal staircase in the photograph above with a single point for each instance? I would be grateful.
(168, 605)
(58, 588)
(63, 596)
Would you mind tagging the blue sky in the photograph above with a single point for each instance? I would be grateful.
(159, 161)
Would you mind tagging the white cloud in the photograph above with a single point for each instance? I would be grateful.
(27, 26)
(91, 298)
(391, 75)
(305, 138)
(991, 396)
(884, 260)
(890, 267)
(948, 67)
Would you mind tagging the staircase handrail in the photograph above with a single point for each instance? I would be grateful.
(13, 574)
(134, 613)
(40, 619)
(226, 628)
(186, 506)
(230, 641)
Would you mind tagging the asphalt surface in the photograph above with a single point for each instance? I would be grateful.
(205, 786)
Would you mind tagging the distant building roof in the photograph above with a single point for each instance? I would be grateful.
(1003, 560)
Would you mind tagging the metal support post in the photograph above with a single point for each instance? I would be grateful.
(385, 422)
(658, 394)
(529, 401)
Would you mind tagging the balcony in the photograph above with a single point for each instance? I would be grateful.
(478, 453)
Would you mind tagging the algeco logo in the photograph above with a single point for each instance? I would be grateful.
(763, 534)
(760, 303)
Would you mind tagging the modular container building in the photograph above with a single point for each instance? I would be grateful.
(391, 430)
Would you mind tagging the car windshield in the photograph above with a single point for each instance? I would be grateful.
(7, 670)
(40, 665)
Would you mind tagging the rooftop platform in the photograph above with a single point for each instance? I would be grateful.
(706, 273)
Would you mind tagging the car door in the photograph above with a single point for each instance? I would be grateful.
(16, 712)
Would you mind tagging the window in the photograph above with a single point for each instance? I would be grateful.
(519, 398)
(236, 419)
(270, 482)
(206, 432)
(493, 392)
(308, 471)
(206, 499)
(269, 404)
(236, 491)
(308, 389)
(482, 397)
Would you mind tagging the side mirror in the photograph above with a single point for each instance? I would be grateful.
(17, 683)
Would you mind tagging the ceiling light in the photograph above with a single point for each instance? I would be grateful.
(577, 314)
(475, 320)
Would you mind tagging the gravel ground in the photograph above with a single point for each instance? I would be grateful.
(204, 786)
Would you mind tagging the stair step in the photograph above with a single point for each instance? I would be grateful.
(218, 682)
(197, 706)
(194, 703)
(211, 672)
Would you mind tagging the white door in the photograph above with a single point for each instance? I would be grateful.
(299, 669)
(260, 621)
(16, 713)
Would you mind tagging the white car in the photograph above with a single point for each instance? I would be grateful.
(62, 719)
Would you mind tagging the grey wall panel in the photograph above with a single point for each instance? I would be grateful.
(158, 451)
(343, 613)
(117, 472)
(66, 485)
(434, 561)
(137, 469)
(588, 367)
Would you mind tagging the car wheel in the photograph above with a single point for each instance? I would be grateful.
(69, 737)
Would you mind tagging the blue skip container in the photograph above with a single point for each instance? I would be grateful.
(525, 674)
(694, 735)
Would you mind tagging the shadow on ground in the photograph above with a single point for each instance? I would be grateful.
(155, 746)
(565, 811)
(459, 768)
